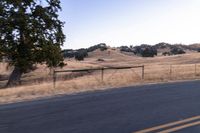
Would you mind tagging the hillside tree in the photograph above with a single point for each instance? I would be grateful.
(30, 33)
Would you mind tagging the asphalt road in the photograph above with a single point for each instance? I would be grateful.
(123, 110)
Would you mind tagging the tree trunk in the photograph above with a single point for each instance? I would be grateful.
(14, 78)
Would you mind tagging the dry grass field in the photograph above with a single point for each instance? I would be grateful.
(39, 83)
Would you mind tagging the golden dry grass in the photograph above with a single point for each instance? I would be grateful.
(85, 83)
(156, 70)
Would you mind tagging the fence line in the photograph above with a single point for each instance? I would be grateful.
(172, 71)
(148, 72)
(102, 69)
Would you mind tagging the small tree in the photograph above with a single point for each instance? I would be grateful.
(176, 51)
(30, 33)
(81, 54)
(149, 52)
(145, 50)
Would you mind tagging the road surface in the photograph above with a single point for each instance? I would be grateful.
(165, 107)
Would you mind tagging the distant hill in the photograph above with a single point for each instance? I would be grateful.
(143, 50)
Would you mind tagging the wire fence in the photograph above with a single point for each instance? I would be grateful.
(147, 73)
(172, 72)
(102, 70)
(111, 76)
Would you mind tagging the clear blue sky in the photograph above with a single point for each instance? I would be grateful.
(130, 22)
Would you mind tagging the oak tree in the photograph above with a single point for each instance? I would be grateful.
(30, 33)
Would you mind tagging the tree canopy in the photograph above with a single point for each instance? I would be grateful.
(31, 32)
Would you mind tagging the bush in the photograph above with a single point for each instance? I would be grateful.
(145, 51)
(176, 51)
(149, 52)
(103, 48)
(81, 54)
(100, 60)
(69, 53)
(166, 53)
(79, 57)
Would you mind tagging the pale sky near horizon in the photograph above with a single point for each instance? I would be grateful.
(130, 22)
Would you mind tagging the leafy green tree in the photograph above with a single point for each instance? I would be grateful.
(30, 33)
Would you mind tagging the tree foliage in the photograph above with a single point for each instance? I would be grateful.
(31, 32)
(145, 50)
(176, 51)
(81, 54)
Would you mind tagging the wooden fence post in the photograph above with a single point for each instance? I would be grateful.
(102, 73)
(143, 72)
(170, 72)
(54, 79)
(195, 70)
